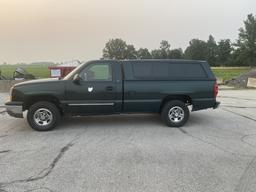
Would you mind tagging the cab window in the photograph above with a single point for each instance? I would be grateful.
(97, 72)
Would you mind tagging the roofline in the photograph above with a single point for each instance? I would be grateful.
(158, 60)
(172, 60)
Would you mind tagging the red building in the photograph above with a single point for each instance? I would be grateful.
(63, 69)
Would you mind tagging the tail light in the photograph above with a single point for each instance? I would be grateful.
(215, 89)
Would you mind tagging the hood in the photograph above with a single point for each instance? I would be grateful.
(38, 81)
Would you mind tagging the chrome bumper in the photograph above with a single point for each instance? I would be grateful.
(14, 109)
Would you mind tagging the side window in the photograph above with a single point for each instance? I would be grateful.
(160, 70)
(150, 70)
(142, 70)
(166, 70)
(192, 70)
(97, 72)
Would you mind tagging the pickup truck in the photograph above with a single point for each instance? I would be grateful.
(101, 87)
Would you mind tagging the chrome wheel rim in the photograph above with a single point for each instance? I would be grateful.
(43, 117)
(176, 114)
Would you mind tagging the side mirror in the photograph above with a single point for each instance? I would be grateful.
(77, 79)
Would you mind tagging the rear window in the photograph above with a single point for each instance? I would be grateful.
(148, 70)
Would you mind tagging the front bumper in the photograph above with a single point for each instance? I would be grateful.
(216, 105)
(14, 109)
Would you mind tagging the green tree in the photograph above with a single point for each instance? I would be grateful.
(130, 52)
(224, 52)
(115, 49)
(164, 49)
(119, 50)
(197, 50)
(175, 54)
(212, 49)
(165, 45)
(236, 58)
(156, 54)
(162, 52)
(143, 53)
(246, 44)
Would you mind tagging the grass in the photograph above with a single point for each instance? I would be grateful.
(227, 73)
(39, 71)
(42, 71)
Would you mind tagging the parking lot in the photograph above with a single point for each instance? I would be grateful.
(215, 151)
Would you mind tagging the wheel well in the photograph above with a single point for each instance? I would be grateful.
(34, 99)
(185, 98)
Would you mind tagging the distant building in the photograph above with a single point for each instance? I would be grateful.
(63, 69)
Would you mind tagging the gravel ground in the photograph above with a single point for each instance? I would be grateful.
(241, 81)
(3, 97)
(215, 151)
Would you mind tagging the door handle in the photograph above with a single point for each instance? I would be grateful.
(109, 88)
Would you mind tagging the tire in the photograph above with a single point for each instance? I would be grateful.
(43, 116)
(175, 113)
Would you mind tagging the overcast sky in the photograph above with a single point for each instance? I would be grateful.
(62, 30)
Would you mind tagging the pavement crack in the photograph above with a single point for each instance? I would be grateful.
(244, 141)
(240, 115)
(230, 97)
(238, 107)
(39, 189)
(45, 172)
(5, 151)
(48, 170)
(182, 130)
(212, 144)
(247, 180)
(2, 136)
(1, 188)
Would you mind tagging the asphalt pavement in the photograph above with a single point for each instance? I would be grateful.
(215, 151)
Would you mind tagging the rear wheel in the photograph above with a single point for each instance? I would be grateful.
(175, 113)
(43, 116)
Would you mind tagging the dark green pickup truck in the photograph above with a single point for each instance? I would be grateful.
(101, 87)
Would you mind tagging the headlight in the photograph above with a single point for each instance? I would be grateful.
(10, 93)
(7, 99)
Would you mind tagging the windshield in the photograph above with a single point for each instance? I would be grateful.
(75, 71)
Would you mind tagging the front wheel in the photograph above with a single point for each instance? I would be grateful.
(175, 113)
(43, 116)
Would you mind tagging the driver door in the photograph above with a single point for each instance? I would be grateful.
(95, 93)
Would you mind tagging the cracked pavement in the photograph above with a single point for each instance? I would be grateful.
(215, 151)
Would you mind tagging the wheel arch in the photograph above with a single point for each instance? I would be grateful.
(184, 98)
(30, 100)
